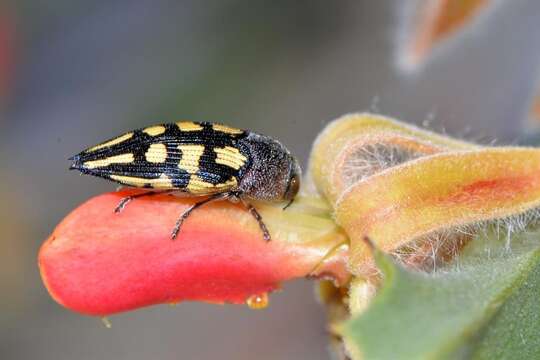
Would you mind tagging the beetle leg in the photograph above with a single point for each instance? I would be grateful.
(189, 210)
(122, 204)
(258, 217)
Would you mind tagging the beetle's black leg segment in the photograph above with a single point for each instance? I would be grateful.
(189, 210)
(122, 204)
(258, 217)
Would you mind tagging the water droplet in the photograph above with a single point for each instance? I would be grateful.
(258, 301)
(105, 320)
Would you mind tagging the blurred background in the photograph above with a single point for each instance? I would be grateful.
(73, 73)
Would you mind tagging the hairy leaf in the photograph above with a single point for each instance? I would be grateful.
(485, 303)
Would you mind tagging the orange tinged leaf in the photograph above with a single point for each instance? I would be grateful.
(438, 192)
(414, 193)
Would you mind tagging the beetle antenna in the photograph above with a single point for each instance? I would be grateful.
(288, 204)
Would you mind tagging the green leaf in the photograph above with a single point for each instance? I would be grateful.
(483, 306)
(514, 332)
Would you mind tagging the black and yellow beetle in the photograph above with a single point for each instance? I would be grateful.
(199, 159)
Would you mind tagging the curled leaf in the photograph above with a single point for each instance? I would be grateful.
(438, 192)
(400, 184)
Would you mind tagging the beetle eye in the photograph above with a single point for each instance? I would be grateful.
(293, 187)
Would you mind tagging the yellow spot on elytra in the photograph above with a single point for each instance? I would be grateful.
(118, 159)
(191, 154)
(157, 153)
(197, 185)
(258, 302)
(189, 126)
(155, 130)
(230, 156)
(112, 142)
(163, 182)
(226, 129)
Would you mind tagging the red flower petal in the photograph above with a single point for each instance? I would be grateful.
(98, 262)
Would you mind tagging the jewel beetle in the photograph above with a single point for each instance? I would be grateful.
(196, 159)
